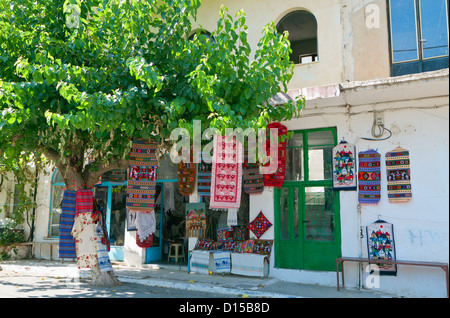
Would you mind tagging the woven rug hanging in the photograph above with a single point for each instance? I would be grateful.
(66, 240)
(398, 175)
(186, 177)
(226, 174)
(204, 179)
(276, 179)
(344, 167)
(369, 177)
(141, 187)
(253, 179)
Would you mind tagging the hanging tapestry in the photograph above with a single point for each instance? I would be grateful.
(226, 174)
(186, 177)
(398, 175)
(344, 167)
(195, 219)
(114, 176)
(141, 187)
(380, 245)
(66, 240)
(204, 179)
(145, 224)
(369, 177)
(131, 220)
(253, 179)
(259, 225)
(276, 179)
(84, 201)
(84, 233)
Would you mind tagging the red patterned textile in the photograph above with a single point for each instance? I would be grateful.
(84, 201)
(226, 175)
(276, 179)
(259, 225)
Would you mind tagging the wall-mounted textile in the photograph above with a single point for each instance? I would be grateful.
(398, 175)
(84, 233)
(380, 245)
(66, 240)
(226, 174)
(195, 219)
(204, 179)
(253, 179)
(344, 167)
(276, 179)
(186, 177)
(369, 177)
(141, 187)
(259, 225)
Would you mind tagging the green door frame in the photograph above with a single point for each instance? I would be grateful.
(292, 249)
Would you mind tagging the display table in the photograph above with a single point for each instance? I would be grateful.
(203, 262)
(249, 264)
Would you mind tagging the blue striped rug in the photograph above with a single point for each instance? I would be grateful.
(66, 241)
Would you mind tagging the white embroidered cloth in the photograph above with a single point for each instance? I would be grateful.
(249, 264)
(145, 224)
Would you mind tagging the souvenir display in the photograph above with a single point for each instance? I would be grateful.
(146, 243)
(380, 245)
(66, 240)
(369, 177)
(344, 167)
(226, 175)
(259, 225)
(276, 179)
(398, 175)
(195, 219)
(104, 262)
(141, 187)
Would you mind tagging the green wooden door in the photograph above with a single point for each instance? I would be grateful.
(307, 218)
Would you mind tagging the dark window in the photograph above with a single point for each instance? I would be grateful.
(419, 35)
(302, 28)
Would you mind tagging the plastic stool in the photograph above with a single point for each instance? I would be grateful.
(173, 252)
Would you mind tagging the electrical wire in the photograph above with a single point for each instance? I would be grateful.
(381, 130)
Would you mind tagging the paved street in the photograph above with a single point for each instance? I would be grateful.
(20, 285)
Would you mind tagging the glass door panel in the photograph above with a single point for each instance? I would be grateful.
(319, 214)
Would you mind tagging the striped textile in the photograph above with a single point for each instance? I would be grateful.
(204, 179)
(369, 177)
(141, 187)
(66, 240)
(253, 179)
(398, 175)
(84, 201)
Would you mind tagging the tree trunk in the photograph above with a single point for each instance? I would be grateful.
(74, 180)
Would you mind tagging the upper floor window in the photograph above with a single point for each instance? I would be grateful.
(302, 28)
(419, 35)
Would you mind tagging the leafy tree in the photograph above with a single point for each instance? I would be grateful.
(80, 79)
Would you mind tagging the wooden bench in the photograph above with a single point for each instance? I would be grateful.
(341, 260)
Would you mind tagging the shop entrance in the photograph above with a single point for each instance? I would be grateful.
(307, 221)
(307, 230)
(170, 221)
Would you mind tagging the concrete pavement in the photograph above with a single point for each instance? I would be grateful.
(175, 276)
